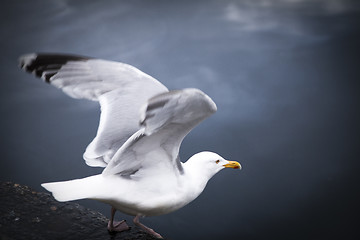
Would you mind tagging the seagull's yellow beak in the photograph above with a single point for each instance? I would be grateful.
(232, 164)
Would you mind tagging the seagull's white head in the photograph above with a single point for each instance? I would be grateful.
(209, 163)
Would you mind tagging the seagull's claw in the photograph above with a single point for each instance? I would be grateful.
(118, 226)
(145, 228)
(152, 232)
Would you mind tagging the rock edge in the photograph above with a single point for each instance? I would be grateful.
(27, 214)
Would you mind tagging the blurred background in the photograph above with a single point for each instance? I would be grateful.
(284, 74)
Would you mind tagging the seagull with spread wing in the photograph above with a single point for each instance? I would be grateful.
(142, 125)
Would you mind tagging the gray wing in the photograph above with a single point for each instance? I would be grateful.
(120, 89)
(166, 119)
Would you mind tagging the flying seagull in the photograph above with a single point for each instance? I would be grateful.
(142, 125)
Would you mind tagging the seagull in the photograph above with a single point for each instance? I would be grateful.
(142, 125)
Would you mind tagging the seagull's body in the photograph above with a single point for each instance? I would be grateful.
(142, 125)
(164, 194)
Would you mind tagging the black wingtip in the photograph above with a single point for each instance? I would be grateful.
(26, 60)
(41, 63)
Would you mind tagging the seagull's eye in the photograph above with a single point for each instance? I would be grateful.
(217, 161)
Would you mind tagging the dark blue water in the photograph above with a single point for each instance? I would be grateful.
(284, 75)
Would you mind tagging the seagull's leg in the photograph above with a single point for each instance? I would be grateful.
(114, 226)
(145, 228)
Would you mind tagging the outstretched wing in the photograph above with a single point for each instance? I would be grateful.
(120, 89)
(166, 120)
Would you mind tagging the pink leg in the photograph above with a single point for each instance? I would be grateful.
(114, 226)
(145, 228)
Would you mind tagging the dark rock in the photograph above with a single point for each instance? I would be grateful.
(26, 214)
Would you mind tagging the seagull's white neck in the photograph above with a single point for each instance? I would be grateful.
(196, 176)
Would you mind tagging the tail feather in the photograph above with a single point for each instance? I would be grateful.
(74, 189)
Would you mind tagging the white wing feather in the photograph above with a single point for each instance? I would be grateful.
(167, 119)
(120, 88)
